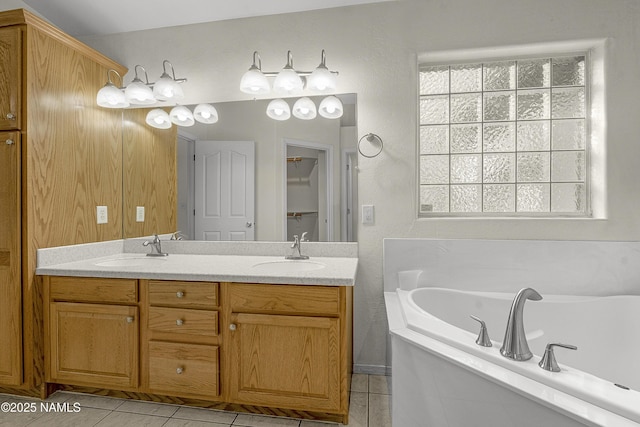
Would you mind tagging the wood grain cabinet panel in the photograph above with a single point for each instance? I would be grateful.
(10, 261)
(93, 344)
(179, 369)
(100, 290)
(183, 321)
(285, 361)
(183, 294)
(285, 299)
(10, 77)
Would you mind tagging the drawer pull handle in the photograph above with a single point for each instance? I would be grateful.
(232, 327)
(179, 322)
(11, 116)
(129, 319)
(179, 370)
(9, 142)
(179, 294)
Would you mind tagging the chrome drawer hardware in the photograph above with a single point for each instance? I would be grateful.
(179, 322)
(232, 327)
(179, 294)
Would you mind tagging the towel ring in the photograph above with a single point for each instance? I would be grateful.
(371, 138)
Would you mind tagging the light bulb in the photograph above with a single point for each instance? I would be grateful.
(278, 109)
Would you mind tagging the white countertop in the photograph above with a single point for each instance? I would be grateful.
(332, 271)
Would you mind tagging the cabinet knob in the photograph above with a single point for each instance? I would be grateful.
(179, 322)
(232, 327)
(179, 370)
(11, 116)
(129, 319)
(9, 142)
(179, 294)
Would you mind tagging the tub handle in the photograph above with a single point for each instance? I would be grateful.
(483, 336)
(548, 362)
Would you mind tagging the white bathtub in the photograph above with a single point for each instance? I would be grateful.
(441, 378)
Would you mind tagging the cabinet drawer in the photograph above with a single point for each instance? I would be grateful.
(183, 321)
(183, 369)
(183, 294)
(100, 290)
(284, 299)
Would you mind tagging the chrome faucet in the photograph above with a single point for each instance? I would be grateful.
(156, 246)
(297, 243)
(515, 344)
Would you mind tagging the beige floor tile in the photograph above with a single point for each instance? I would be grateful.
(358, 409)
(59, 396)
(249, 420)
(120, 419)
(360, 382)
(84, 418)
(93, 401)
(175, 422)
(379, 384)
(147, 408)
(379, 410)
(208, 415)
(17, 419)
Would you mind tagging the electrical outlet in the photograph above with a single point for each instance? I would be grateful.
(139, 213)
(101, 213)
(368, 214)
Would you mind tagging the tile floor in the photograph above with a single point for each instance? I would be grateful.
(370, 407)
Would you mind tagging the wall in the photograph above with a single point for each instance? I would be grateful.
(375, 49)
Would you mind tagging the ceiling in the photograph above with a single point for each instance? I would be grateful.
(91, 17)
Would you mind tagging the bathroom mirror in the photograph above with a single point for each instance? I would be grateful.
(304, 174)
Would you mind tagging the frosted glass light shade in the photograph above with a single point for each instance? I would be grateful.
(138, 93)
(304, 109)
(331, 108)
(322, 80)
(167, 89)
(278, 109)
(205, 113)
(111, 97)
(182, 116)
(288, 81)
(158, 118)
(254, 82)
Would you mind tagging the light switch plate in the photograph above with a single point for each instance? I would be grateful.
(101, 213)
(368, 215)
(139, 213)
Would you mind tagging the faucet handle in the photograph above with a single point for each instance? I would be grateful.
(303, 238)
(548, 361)
(483, 336)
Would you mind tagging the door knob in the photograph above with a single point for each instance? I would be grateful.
(249, 224)
(129, 319)
(179, 322)
(179, 294)
(9, 142)
(11, 116)
(179, 370)
(232, 327)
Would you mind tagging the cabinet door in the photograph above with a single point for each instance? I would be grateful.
(10, 77)
(10, 262)
(93, 344)
(285, 361)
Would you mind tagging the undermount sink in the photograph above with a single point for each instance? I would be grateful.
(129, 261)
(287, 266)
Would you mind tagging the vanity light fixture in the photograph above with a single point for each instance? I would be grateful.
(138, 92)
(304, 109)
(158, 118)
(331, 107)
(288, 80)
(278, 109)
(181, 116)
(205, 113)
(110, 96)
(167, 88)
(254, 81)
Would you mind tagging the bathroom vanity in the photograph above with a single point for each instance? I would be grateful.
(241, 333)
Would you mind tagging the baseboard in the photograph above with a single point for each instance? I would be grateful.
(372, 369)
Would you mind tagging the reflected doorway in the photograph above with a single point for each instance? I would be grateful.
(308, 190)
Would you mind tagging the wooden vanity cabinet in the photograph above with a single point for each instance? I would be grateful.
(289, 346)
(181, 347)
(92, 331)
(10, 77)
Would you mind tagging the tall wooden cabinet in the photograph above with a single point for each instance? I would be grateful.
(65, 159)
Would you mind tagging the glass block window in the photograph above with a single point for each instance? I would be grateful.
(504, 138)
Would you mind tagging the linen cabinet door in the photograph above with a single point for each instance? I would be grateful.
(93, 344)
(10, 77)
(10, 260)
(285, 361)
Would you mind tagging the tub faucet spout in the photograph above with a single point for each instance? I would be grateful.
(515, 344)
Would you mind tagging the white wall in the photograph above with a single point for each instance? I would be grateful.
(375, 49)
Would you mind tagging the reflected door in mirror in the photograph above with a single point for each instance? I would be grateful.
(224, 188)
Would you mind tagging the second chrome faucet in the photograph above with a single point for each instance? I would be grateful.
(515, 344)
